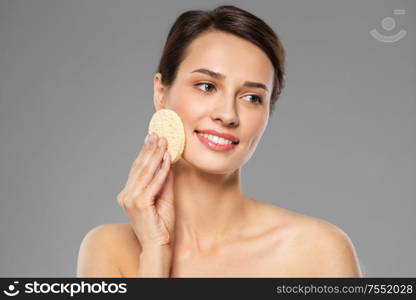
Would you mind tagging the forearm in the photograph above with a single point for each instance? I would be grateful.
(155, 262)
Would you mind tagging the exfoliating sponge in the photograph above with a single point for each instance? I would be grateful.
(167, 123)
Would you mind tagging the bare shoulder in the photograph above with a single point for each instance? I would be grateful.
(105, 250)
(320, 247)
(328, 249)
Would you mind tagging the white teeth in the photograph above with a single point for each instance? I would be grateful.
(216, 139)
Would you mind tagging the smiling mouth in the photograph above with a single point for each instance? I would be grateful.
(233, 142)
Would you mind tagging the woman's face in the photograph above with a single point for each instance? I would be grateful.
(224, 103)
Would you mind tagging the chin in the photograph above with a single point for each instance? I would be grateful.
(209, 165)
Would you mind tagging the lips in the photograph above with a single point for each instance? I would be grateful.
(220, 134)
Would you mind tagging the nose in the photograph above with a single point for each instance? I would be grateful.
(225, 112)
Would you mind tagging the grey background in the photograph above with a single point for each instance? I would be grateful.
(76, 98)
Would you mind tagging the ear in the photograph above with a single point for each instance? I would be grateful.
(159, 91)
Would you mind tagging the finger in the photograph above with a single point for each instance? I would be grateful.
(167, 188)
(140, 161)
(155, 186)
(154, 139)
(165, 202)
(148, 171)
(147, 145)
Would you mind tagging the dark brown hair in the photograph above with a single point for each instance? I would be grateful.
(229, 19)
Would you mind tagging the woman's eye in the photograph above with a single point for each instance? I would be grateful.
(257, 98)
(205, 84)
(211, 87)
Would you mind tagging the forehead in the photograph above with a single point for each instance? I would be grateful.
(230, 55)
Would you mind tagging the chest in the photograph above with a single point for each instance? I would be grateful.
(243, 262)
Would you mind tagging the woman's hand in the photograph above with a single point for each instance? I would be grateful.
(147, 198)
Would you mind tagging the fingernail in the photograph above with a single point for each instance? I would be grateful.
(146, 140)
(165, 156)
(151, 138)
(161, 142)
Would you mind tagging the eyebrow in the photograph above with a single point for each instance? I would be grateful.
(222, 76)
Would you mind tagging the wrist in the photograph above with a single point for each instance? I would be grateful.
(155, 248)
(155, 261)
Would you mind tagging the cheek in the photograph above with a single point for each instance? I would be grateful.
(254, 131)
(190, 113)
(187, 109)
(192, 108)
(182, 100)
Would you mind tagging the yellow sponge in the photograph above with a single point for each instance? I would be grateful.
(167, 123)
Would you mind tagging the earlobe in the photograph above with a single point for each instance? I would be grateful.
(158, 103)
(158, 92)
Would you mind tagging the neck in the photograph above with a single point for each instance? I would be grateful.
(209, 208)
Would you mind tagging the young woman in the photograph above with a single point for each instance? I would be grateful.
(222, 72)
